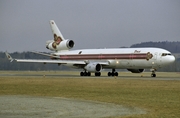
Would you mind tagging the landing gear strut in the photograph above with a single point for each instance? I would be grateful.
(113, 73)
(153, 74)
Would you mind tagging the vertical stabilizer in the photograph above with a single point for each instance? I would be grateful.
(55, 30)
(9, 56)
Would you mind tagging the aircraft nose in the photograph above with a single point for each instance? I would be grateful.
(171, 59)
(168, 60)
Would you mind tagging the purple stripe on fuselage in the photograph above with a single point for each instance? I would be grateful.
(103, 56)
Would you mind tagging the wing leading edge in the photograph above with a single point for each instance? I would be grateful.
(50, 61)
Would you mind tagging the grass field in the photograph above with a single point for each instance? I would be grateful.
(160, 98)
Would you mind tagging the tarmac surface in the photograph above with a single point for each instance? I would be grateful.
(123, 76)
(56, 107)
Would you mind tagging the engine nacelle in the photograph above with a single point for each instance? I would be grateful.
(93, 67)
(136, 70)
(60, 45)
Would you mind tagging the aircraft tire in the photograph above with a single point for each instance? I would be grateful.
(116, 74)
(85, 74)
(112, 73)
(153, 75)
(88, 74)
(81, 73)
(109, 74)
(97, 73)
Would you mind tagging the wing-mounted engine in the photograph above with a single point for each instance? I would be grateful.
(60, 45)
(93, 67)
(136, 70)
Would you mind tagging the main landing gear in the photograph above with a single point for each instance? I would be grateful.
(85, 73)
(113, 73)
(89, 73)
(153, 74)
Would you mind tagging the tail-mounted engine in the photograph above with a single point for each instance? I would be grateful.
(60, 45)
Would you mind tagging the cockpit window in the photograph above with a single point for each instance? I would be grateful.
(164, 54)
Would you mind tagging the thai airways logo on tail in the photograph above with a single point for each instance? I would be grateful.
(59, 43)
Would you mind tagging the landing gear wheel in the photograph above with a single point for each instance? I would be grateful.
(85, 73)
(81, 73)
(113, 73)
(109, 74)
(153, 75)
(97, 73)
(116, 74)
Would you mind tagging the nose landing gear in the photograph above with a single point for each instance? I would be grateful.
(153, 74)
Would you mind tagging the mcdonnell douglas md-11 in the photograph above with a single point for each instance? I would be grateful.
(90, 61)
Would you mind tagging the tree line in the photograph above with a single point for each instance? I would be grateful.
(173, 47)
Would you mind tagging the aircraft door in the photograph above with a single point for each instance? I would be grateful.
(154, 56)
(156, 60)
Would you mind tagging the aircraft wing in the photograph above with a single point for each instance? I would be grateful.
(50, 61)
(57, 61)
(45, 60)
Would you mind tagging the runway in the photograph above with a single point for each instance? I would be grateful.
(70, 74)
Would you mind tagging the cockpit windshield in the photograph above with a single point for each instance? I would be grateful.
(165, 54)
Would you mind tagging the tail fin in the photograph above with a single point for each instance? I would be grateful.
(55, 30)
(9, 56)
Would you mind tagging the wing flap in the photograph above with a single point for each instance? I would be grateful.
(49, 55)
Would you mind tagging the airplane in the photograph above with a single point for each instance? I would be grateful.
(135, 60)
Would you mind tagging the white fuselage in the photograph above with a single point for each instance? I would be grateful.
(122, 58)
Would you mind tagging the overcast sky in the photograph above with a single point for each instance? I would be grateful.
(24, 24)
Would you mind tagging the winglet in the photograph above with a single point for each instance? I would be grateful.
(9, 56)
